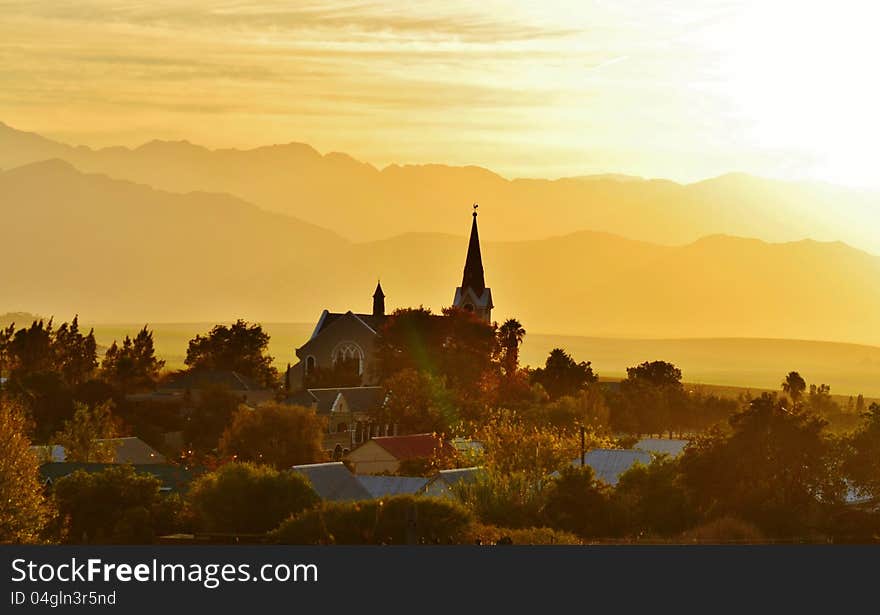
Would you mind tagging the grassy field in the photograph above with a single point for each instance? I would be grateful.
(734, 364)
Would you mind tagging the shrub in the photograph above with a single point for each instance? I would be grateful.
(491, 534)
(115, 506)
(507, 500)
(577, 502)
(722, 530)
(246, 498)
(395, 520)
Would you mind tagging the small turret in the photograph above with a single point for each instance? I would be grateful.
(379, 301)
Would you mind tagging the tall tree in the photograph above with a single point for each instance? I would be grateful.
(562, 375)
(75, 354)
(510, 336)
(794, 386)
(240, 347)
(133, 366)
(24, 511)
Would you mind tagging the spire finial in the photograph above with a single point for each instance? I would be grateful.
(475, 209)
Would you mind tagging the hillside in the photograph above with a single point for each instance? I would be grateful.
(115, 251)
(361, 202)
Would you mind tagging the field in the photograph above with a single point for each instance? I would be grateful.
(727, 363)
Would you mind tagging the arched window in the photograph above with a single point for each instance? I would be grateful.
(349, 352)
(310, 364)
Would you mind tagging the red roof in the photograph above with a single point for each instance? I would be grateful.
(416, 446)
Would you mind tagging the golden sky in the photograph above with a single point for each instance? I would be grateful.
(684, 89)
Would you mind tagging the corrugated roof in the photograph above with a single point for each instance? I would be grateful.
(415, 446)
(332, 481)
(383, 486)
(609, 464)
(662, 446)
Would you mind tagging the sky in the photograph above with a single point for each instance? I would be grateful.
(684, 89)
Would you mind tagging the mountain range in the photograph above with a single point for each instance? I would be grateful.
(114, 250)
(362, 203)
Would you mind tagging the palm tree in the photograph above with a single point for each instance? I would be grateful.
(794, 385)
(511, 335)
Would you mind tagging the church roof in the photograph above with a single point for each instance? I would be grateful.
(379, 292)
(473, 277)
(328, 318)
(359, 399)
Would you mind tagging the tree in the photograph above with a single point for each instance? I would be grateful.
(240, 347)
(794, 386)
(246, 498)
(75, 354)
(654, 500)
(774, 468)
(24, 511)
(457, 346)
(114, 506)
(210, 414)
(586, 408)
(561, 375)
(510, 337)
(861, 456)
(577, 502)
(133, 366)
(652, 399)
(278, 435)
(417, 402)
(82, 435)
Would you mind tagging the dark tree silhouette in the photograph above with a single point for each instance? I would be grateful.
(240, 347)
(794, 386)
(561, 375)
(510, 336)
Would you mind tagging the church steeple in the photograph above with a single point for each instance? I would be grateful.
(379, 301)
(473, 266)
(473, 295)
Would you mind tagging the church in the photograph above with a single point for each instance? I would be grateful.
(351, 336)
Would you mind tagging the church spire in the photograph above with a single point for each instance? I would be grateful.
(379, 300)
(473, 267)
(472, 295)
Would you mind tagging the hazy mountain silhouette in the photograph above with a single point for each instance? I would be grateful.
(116, 251)
(362, 202)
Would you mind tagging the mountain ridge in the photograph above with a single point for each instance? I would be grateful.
(362, 202)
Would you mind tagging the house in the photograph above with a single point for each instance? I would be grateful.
(662, 446)
(350, 337)
(125, 450)
(333, 482)
(609, 464)
(348, 412)
(385, 454)
(443, 483)
(172, 478)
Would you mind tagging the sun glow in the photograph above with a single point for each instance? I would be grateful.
(803, 77)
